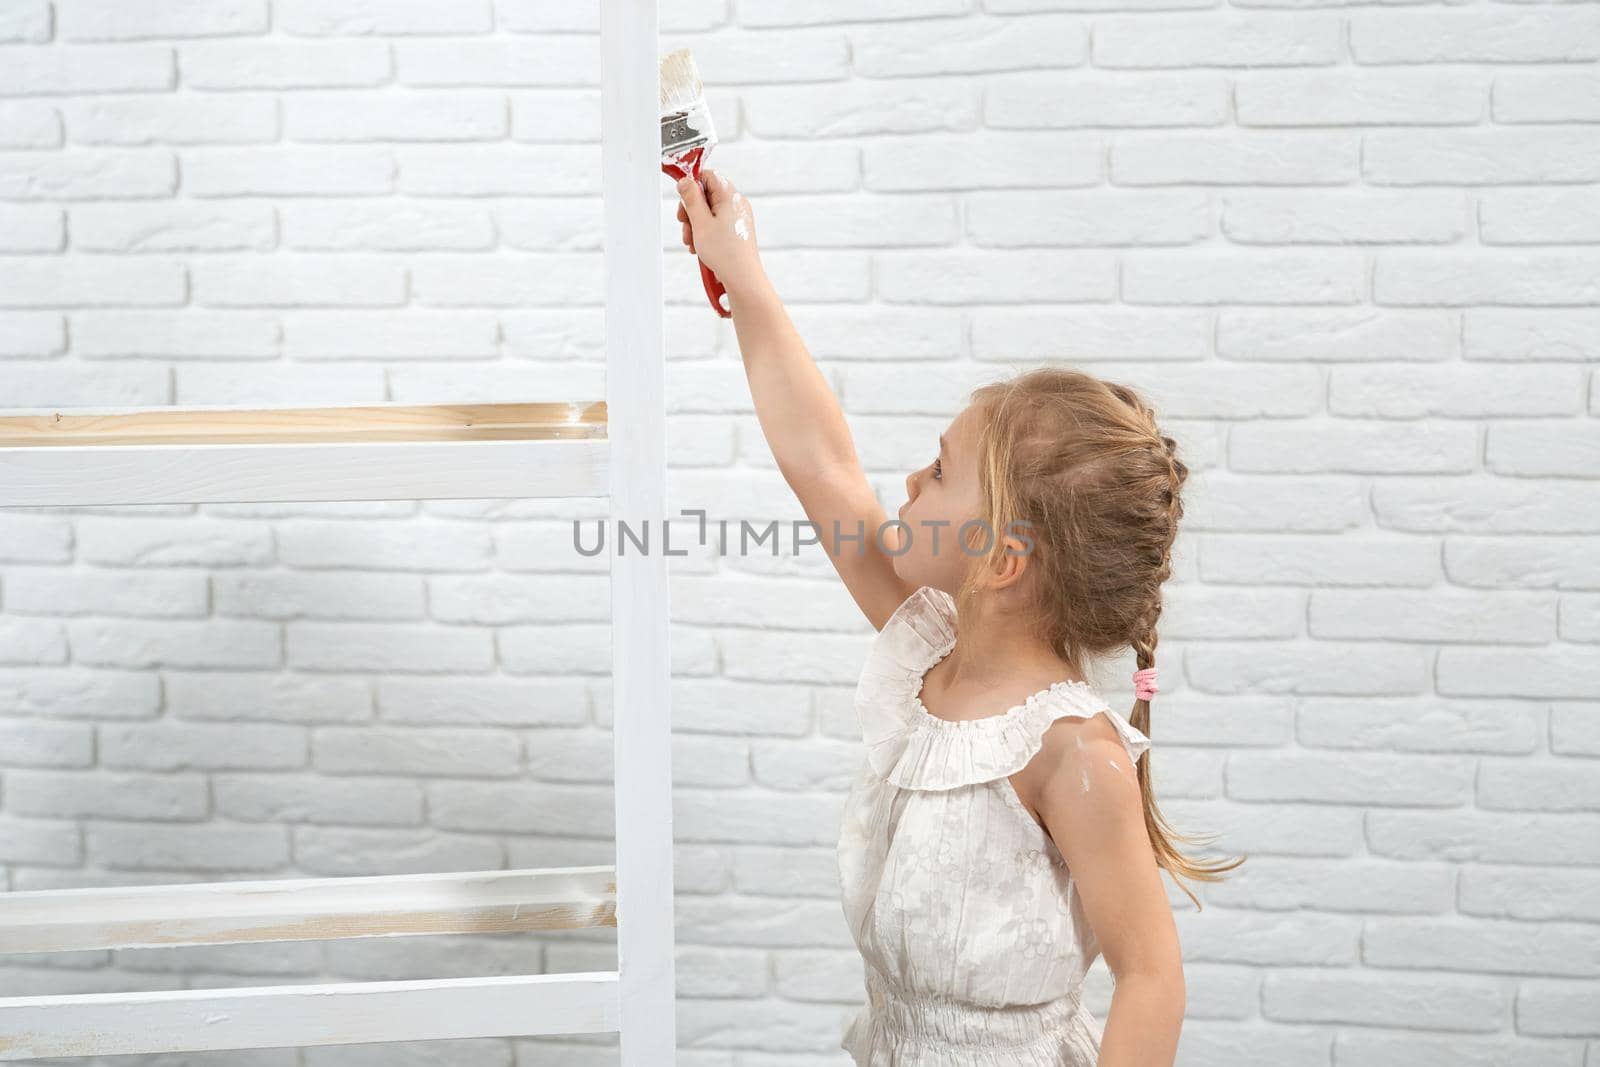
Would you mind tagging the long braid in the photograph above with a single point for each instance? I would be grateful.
(1146, 637)
(1084, 462)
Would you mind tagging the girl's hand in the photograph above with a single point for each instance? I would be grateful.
(722, 232)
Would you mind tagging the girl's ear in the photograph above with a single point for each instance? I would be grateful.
(1017, 539)
(1009, 569)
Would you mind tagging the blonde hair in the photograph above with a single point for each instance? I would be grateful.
(1081, 465)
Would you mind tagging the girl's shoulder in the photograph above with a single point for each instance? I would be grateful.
(925, 619)
(912, 748)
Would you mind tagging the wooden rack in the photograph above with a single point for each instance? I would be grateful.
(407, 452)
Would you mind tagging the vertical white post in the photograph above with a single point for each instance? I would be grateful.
(636, 415)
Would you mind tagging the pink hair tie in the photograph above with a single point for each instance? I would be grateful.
(1144, 684)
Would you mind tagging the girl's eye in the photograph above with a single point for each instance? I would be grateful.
(937, 470)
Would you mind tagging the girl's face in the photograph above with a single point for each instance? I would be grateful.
(939, 498)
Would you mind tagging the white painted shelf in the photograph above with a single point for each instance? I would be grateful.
(613, 448)
(372, 452)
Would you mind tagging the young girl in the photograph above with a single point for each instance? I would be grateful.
(1002, 833)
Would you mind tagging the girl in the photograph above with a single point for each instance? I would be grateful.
(1002, 833)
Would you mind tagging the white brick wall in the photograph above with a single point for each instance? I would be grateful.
(1351, 251)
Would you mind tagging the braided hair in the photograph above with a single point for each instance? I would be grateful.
(1083, 466)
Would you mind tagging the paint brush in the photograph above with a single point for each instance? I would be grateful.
(687, 134)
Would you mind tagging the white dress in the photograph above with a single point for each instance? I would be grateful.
(972, 934)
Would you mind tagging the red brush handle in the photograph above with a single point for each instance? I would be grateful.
(688, 166)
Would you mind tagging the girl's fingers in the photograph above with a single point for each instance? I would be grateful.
(694, 200)
(719, 190)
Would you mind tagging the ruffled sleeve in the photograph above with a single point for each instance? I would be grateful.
(912, 748)
(921, 632)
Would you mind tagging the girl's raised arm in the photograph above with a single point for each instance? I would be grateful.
(799, 414)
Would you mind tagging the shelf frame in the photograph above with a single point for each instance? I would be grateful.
(613, 449)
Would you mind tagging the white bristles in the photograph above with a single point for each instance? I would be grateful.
(685, 116)
(680, 81)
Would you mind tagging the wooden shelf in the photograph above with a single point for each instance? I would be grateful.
(284, 1016)
(240, 454)
(308, 909)
(372, 422)
(86, 457)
